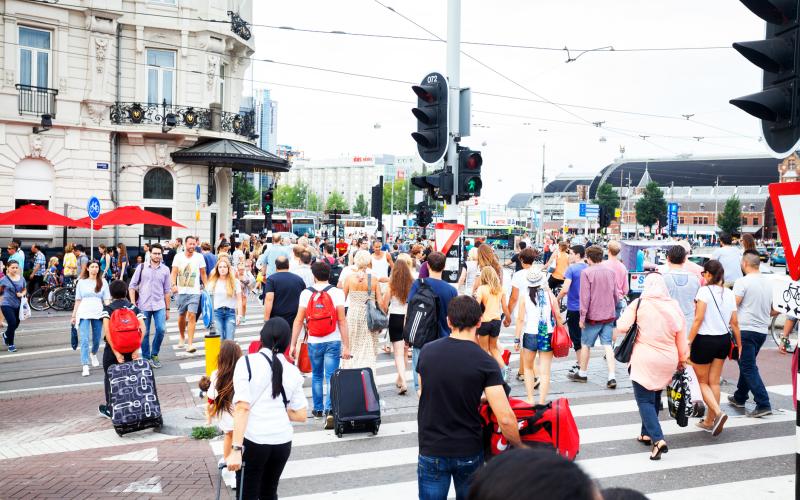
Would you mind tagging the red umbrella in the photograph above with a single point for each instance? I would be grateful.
(125, 216)
(36, 215)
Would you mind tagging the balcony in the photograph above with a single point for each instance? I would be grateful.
(184, 116)
(36, 100)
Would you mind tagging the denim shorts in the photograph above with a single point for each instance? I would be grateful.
(536, 342)
(591, 332)
(188, 302)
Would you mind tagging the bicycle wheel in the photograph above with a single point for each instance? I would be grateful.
(62, 300)
(776, 329)
(38, 299)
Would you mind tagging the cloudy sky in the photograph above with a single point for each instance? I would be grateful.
(539, 98)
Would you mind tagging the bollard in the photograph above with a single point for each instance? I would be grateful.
(212, 345)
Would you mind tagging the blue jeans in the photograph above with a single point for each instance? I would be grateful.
(648, 403)
(434, 473)
(160, 319)
(749, 378)
(324, 358)
(225, 322)
(86, 327)
(414, 357)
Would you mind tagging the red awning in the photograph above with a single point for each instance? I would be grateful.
(36, 215)
(126, 216)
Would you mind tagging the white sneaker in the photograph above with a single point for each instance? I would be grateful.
(95, 362)
(85, 372)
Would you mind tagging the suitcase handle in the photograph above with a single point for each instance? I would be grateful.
(224, 466)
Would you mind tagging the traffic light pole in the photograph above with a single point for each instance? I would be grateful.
(454, 85)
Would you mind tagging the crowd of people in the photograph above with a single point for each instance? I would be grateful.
(317, 292)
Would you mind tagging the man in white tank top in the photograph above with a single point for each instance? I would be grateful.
(381, 262)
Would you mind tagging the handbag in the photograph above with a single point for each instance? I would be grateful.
(377, 320)
(73, 337)
(733, 352)
(624, 350)
(303, 361)
(677, 396)
(24, 309)
(560, 342)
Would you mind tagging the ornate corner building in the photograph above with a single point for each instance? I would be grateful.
(136, 102)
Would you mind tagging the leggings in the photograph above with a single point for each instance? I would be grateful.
(263, 466)
(12, 318)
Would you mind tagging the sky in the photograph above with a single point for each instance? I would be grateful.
(634, 93)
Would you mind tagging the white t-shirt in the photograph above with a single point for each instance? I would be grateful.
(304, 271)
(225, 419)
(520, 280)
(380, 266)
(534, 312)
(716, 322)
(753, 314)
(337, 296)
(238, 256)
(91, 306)
(268, 422)
(189, 272)
(221, 297)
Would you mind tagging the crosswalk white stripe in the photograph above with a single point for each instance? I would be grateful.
(765, 487)
(193, 364)
(406, 489)
(637, 463)
(783, 390)
(77, 442)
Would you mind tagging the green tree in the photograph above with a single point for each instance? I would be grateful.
(651, 207)
(336, 202)
(360, 207)
(730, 220)
(314, 202)
(607, 198)
(244, 191)
(400, 190)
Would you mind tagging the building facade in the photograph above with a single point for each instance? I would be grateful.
(127, 85)
(268, 123)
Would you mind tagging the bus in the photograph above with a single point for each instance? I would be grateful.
(301, 223)
(350, 226)
(288, 222)
(487, 231)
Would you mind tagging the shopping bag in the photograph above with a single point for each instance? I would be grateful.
(677, 394)
(24, 309)
(73, 337)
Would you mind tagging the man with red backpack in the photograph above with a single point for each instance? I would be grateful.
(123, 330)
(321, 311)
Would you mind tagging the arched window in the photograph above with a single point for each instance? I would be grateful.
(158, 185)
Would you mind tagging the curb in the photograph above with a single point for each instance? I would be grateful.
(180, 422)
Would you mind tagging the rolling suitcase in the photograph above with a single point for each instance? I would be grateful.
(354, 401)
(134, 400)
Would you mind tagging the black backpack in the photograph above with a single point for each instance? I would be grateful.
(422, 317)
(336, 271)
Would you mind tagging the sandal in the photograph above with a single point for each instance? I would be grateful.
(658, 450)
(535, 382)
(707, 428)
(645, 440)
(403, 390)
(520, 377)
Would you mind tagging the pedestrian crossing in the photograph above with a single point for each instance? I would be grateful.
(754, 456)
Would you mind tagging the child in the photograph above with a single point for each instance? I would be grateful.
(111, 353)
(220, 391)
(51, 276)
(248, 282)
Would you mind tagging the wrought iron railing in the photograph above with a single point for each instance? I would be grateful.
(185, 116)
(36, 100)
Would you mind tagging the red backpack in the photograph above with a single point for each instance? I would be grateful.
(552, 425)
(321, 317)
(124, 330)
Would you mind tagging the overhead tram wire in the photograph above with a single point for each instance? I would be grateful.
(540, 100)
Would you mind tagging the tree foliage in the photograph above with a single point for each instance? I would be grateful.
(608, 199)
(360, 206)
(400, 189)
(336, 202)
(730, 220)
(244, 191)
(298, 195)
(651, 207)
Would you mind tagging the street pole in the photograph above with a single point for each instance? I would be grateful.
(408, 212)
(453, 84)
(391, 210)
(541, 203)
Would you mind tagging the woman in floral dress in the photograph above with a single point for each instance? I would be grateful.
(363, 343)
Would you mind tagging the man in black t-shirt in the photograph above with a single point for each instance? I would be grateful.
(282, 290)
(454, 371)
(515, 258)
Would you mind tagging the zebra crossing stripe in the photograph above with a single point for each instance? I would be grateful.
(778, 487)
(406, 489)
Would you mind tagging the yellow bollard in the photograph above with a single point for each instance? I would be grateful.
(212, 344)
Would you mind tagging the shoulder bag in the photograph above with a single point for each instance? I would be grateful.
(733, 351)
(560, 341)
(377, 320)
(624, 350)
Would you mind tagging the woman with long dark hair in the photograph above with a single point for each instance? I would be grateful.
(123, 262)
(267, 397)
(709, 341)
(220, 392)
(91, 294)
(395, 303)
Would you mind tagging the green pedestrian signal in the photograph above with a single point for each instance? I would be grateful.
(469, 174)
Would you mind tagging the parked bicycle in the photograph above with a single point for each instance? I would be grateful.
(41, 299)
(63, 298)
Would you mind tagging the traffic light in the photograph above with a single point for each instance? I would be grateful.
(424, 214)
(439, 184)
(431, 114)
(267, 205)
(604, 217)
(469, 174)
(239, 208)
(778, 104)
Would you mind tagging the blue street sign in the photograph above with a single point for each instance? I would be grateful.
(672, 217)
(582, 210)
(197, 192)
(93, 208)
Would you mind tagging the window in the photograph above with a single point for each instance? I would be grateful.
(158, 232)
(158, 185)
(160, 76)
(221, 85)
(705, 220)
(744, 221)
(681, 220)
(34, 57)
(755, 221)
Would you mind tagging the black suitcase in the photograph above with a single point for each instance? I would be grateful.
(134, 400)
(354, 401)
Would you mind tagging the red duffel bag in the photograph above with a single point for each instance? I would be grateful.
(303, 361)
(549, 425)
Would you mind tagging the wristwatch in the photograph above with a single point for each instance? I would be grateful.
(237, 447)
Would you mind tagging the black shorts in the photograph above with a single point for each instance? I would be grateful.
(574, 327)
(490, 328)
(396, 323)
(707, 348)
(554, 283)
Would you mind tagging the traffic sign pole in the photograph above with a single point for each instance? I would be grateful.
(93, 209)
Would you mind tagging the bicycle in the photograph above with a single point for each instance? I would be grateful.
(63, 298)
(40, 299)
(776, 330)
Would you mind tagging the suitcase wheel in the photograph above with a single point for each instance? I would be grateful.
(159, 424)
(375, 428)
(339, 431)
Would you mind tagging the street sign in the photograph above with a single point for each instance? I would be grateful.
(93, 208)
(582, 210)
(786, 298)
(102, 165)
(446, 234)
(636, 283)
(785, 199)
(197, 192)
(617, 213)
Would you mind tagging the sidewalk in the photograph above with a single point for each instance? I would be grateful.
(57, 446)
